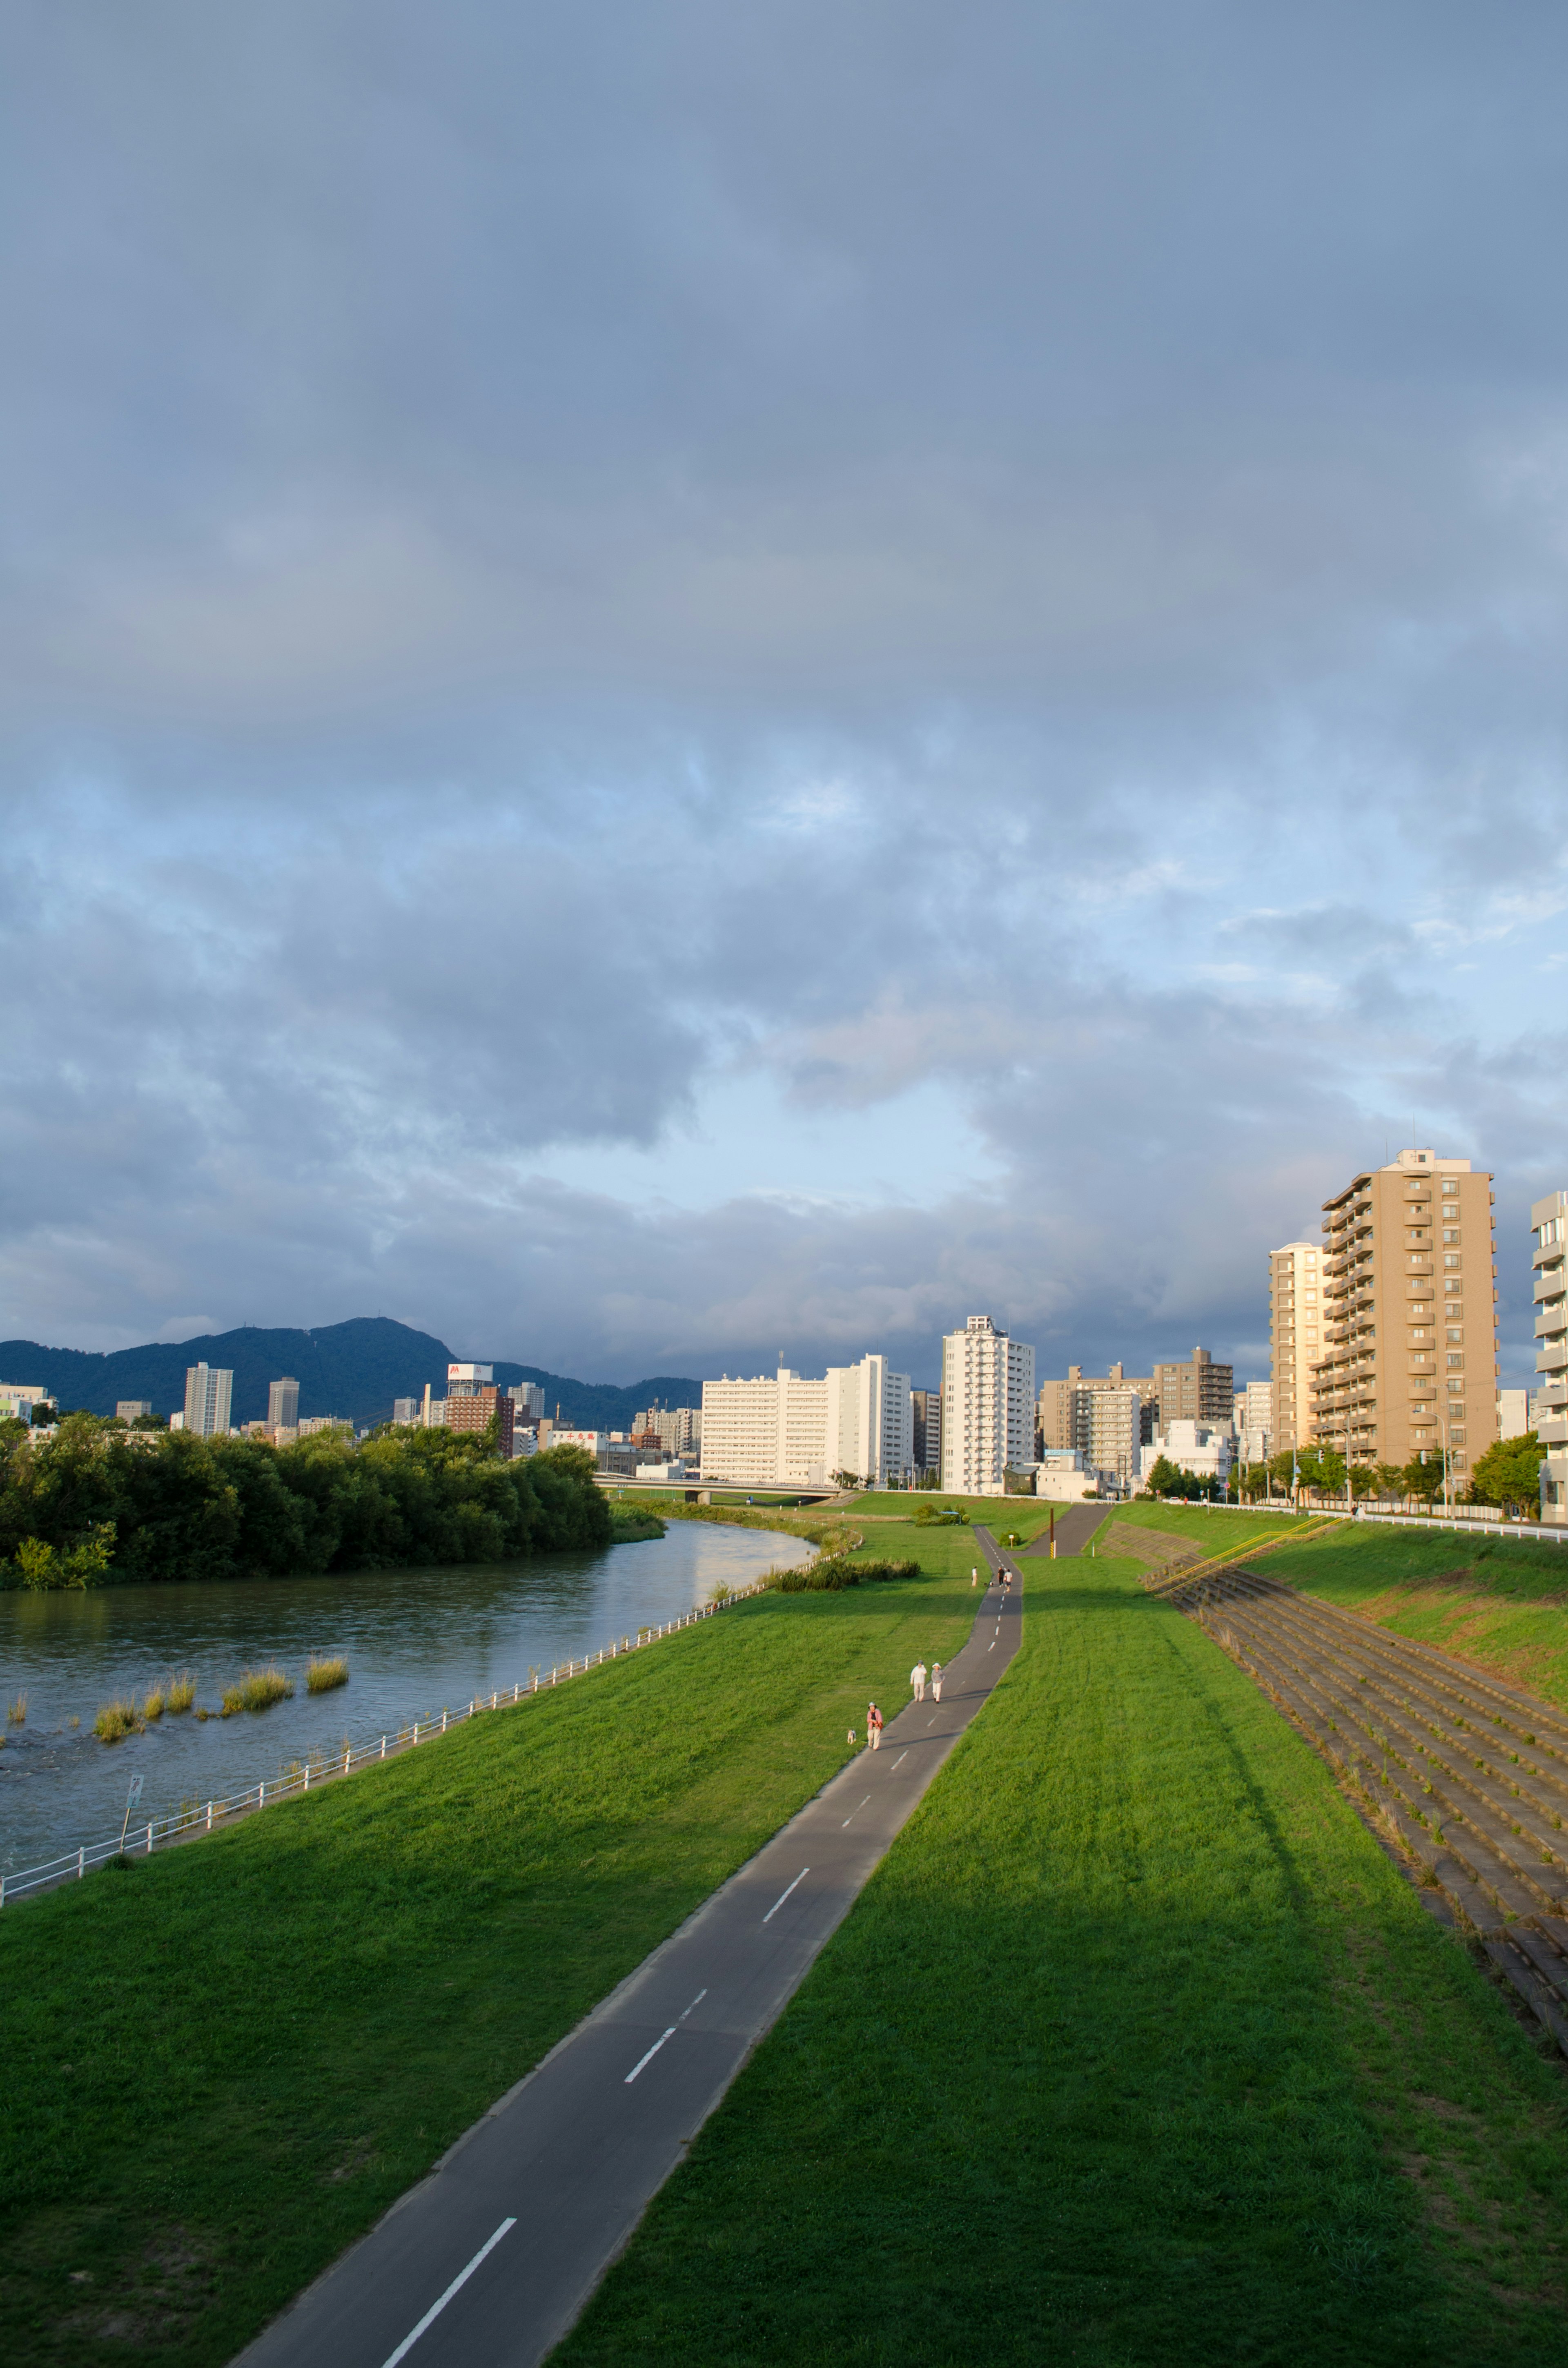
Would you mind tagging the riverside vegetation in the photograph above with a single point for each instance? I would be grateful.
(94, 1504)
(173, 2167)
(1136, 2049)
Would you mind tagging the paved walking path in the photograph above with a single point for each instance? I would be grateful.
(487, 2263)
(1075, 1525)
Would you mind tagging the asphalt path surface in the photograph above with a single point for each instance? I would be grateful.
(1075, 1525)
(487, 2263)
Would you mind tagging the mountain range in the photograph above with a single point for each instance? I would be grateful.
(355, 1370)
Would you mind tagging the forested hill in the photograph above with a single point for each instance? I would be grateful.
(354, 1369)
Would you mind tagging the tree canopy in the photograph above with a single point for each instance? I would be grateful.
(178, 1506)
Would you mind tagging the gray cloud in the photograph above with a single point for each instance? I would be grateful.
(555, 563)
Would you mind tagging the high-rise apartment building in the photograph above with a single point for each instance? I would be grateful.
(1057, 1412)
(472, 1400)
(528, 1399)
(767, 1433)
(1295, 1340)
(1255, 1422)
(988, 1408)
(1549, 1234)
(1199, 1391)
(925, 1409)
(1108, 1429)
(1409, 1362)
(870, 1422)
(676, 1431)
(283, 1403)
(207, 1391)
(782, 1430)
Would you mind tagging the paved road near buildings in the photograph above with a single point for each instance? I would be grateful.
(1075, 1525)
(487, 2263)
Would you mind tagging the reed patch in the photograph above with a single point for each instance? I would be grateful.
(256, 1689)
(323, 1671)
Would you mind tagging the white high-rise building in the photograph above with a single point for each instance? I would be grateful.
(1254, 1412)
(283, 1403)
(870, 1421)
(784, 1430)
(987, 1408)
(766, 1433)
(208, 1389)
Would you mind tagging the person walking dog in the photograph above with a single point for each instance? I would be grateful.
(873, 1726)
(936, 1681)
(917, 1680)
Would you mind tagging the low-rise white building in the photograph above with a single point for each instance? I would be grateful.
(1066, 1477)
(1201, 1448)
(674, 1469)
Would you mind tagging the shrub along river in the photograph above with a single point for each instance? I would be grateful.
(417, 1642)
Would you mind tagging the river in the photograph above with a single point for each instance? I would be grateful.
(417, 1642)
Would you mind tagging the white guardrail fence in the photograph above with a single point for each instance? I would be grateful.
(325, 1767)
(1484, 1519)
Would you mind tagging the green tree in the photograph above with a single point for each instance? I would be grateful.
(1424, 1479)
(1163, 1478)
(1509, 1473)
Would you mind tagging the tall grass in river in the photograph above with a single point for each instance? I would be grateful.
(17, 1713)
(117, 1719)
(179, 1692)
(572, 1834)
(256, 1689)
(323, 1671)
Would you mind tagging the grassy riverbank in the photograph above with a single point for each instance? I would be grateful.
(222, 2065)
(1501, 1603)
(1137, 2050)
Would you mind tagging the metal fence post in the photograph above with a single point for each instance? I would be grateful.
(149, 1841)
(81, 1863)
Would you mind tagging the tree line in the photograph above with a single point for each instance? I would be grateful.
(94, 1505)
(1508, 1474)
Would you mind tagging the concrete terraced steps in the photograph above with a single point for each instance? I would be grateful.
(1469, 1776)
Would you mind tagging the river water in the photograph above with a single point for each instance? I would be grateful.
(417, 1642)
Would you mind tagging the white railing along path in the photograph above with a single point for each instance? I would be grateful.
(204, 1815)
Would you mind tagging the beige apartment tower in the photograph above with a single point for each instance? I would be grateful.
(1295, 1340)
(1408, 1338)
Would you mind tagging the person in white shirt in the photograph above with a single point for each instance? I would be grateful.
(917, 1679)
(936, 1681)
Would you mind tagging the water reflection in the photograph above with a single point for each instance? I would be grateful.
(415, 1641)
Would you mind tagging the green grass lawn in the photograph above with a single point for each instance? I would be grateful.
(1025, 1515)
(1217, 1531)
(1136, 2050)
(1500, 1604)
(221, 2065)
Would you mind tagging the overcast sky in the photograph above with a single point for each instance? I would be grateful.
(687, 681)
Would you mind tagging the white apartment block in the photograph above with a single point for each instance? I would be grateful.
(987, 1408)
(1295, 1336)
(766, 1433)
(1549, 1257)
(870, 1421)
(207, 1390)
(783, 1431)
(1253, 1411)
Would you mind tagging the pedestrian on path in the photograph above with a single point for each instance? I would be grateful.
(936, 1681)
(874, 1726)
(917, 1679)
(974, 1577)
